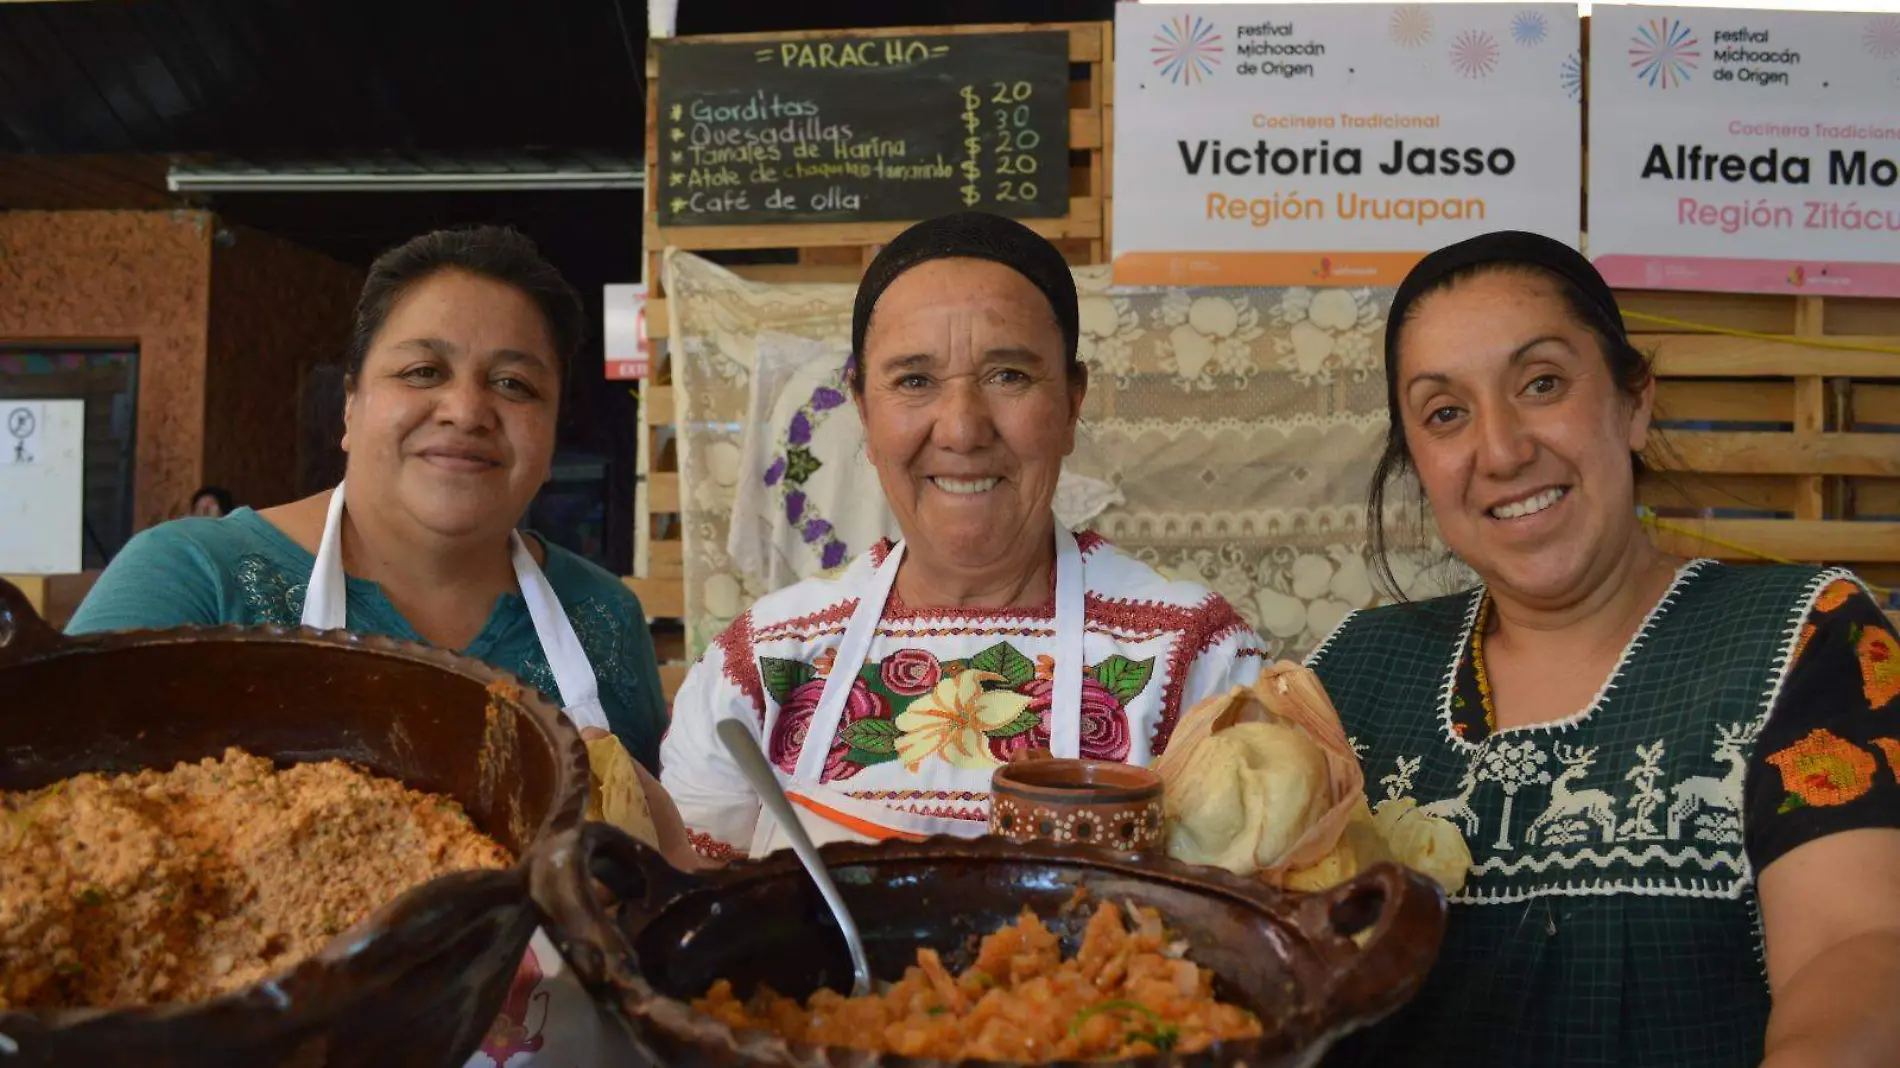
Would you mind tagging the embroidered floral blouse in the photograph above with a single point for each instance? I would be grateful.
(945, 696)
(1815, 769)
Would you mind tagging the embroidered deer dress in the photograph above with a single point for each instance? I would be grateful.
(1610, 917)
(941, 698)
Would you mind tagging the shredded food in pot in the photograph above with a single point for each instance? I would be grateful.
(182, 885)
(1126, 993)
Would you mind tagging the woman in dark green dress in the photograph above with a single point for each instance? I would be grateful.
(1680, 780)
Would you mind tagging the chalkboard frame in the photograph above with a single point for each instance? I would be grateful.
(1090, 46)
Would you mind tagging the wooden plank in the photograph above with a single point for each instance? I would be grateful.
(1875, 496)
(1696, 400)
(34, 587)
(666, 559)
(1716, 356)
(1806, 540)
(1756, 493)
(672, 677)
(663, 492)
(659, 598)
(657, 325)
(1810, 410)
(1085, 130)
(1723, 453)
(669, 643)
(1083, 221)
(1875, 405)
(1762, 314)
(659, 405)
(1865, 317)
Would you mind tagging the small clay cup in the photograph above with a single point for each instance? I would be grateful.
(1099, 803)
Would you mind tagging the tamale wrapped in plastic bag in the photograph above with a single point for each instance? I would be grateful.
(1262, 780)
(1272, 797)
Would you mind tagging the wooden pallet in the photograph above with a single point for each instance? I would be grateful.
(832, 252)
(1794, 465)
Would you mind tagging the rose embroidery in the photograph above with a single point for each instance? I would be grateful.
(794, 723)
(1104, 723)
(974, 713)
(910, 672)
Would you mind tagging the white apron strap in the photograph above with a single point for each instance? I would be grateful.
(567, 660)
(326, 593)
(852, 653)
(1065, 713)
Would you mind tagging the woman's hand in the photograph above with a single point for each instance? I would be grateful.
(1829, 914)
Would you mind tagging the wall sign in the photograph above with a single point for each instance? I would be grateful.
(856, 128)
(25, 421)
(1746, 151)
(624, 332)
(1337, 144)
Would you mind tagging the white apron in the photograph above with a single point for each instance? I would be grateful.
(809, 794)
(548, 1019)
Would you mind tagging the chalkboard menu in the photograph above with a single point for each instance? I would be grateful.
(863, 129)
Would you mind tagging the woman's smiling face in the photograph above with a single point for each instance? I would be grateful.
(1520, 434)
(969, 408)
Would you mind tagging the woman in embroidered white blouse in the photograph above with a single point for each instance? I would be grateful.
(885, 697)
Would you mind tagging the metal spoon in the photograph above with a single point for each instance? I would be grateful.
(758, 772)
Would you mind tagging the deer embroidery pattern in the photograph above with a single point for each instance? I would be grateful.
(1559, 823)
(1724, 794)
(1458, 808)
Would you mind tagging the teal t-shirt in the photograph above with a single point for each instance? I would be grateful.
(242, 570)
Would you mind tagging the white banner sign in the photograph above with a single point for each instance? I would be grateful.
(1336, 144)
(1745, 151)
(42, 486)
(629, 353)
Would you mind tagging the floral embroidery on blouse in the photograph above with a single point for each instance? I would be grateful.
(974, 713)
(267, 594)
(1879, 666)
(1837, 594)
(599, 631)
(1823, 769)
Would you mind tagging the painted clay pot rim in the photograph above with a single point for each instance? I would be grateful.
(1076, 781)
(1347, 985)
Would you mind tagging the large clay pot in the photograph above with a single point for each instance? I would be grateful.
(420, 981)
(1313, 967)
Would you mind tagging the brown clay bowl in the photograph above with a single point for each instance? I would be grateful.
(1291, 959)
(419, 982)
(1087, 802)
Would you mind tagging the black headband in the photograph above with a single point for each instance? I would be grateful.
(1505, 247)
(972, 235)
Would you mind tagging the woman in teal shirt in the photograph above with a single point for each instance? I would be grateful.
(460, 345)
